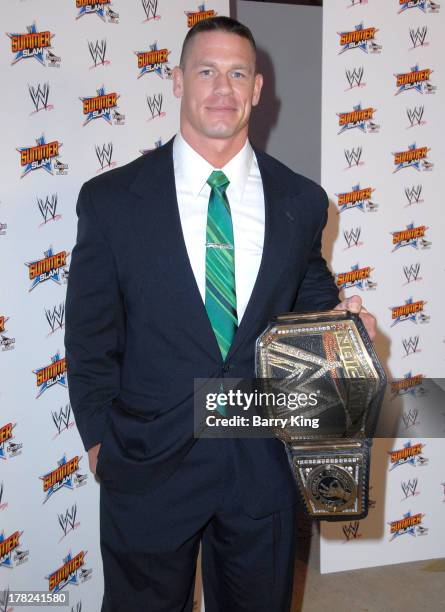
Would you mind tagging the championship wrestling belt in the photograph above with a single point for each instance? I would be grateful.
(328, 362)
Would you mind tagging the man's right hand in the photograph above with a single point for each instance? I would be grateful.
(92, 457)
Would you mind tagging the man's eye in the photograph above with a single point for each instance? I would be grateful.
(238, 75)
(205, 72)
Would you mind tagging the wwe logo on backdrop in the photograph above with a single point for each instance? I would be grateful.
(3, 504)
(104, 155)
(78, 607)
(413, 194)
(411, 345)
(415, 115)
(352, 237)
(410, 417)
(409, 488)
(350, 531)
(39, 96)
(354, 77)
(55, 317)
(61, 419)
(411, 273)
(418, 36)
(67, 521)
(353, 156)
(48, 208)
(4, 601)
(151, 9)
(154, 104)
(97, 52)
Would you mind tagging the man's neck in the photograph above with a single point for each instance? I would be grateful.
(217, 151)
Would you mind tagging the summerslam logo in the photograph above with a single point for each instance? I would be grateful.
(410, 523)
(408, 384)
(52, 266)
(52, 374)
(411, 236)
(194, 16)
(356, 277)
(42, 155)
(433, 7)
(10, 546)
(413, 157)
(70, 572)
(410, 454)
(100, 106)
(361, 118)
(415, 79)
(65, 475)
(33, 44)
(155, 60)
(409, 311)
(356, 198)
(101, 8)
(359, 38)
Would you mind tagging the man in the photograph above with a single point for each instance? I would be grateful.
(182, 257)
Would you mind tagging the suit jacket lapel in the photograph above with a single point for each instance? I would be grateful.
(156, 180)
(279, 225)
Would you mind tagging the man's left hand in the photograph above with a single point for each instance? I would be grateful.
(354, 304)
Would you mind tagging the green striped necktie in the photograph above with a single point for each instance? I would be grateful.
(220, 295)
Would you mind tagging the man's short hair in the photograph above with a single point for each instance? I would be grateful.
(217, 24)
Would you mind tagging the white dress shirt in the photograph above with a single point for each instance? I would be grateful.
(246, 198)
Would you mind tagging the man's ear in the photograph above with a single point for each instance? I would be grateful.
(257, 89)
(178, 82)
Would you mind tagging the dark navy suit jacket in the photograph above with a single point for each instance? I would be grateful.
(137, 332)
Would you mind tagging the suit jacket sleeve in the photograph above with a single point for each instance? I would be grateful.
(95, 325)
(318, 290)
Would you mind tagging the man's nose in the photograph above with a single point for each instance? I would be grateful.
(223, 84)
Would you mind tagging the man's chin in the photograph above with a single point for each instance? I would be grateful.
(219, 131)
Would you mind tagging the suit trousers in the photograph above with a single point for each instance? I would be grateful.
(150, 542)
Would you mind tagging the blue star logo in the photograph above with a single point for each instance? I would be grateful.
(22, 54)
(61, 377)
(45, 163)
(67, 481)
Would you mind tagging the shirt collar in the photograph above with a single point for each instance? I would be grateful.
(193, 170)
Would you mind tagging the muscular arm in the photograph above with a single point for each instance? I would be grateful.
(95, 325)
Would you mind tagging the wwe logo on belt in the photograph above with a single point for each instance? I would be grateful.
(418, 36)
(409, 488)
(97, 51)
(48, 207)
(55, 317)
(67, 521)
(411, 273)
(352, 237)
(154, 104)
(62, 419)
(104, 155)
(353, 156)
(411, 345)
(151, 9)
(415, 115)
(354, 77)
(350, 531)
(39, 96)
(413, 194)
